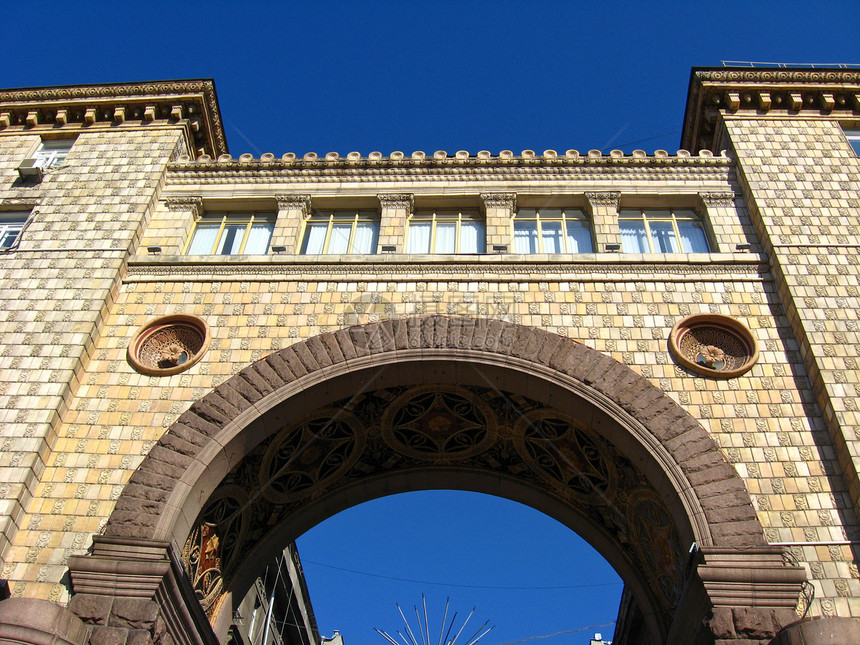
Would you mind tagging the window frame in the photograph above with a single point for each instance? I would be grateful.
(445, 216)
(671, 218)
(52, 153)
(248, 218)
(564, 218)
(330, 217)
(12, 221)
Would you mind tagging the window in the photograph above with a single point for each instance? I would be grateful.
(341, 233)
(445, 231)
(853, 137)
(52, 152)
(11, 225)
(662, 231)
(232, 234)
(551, 230)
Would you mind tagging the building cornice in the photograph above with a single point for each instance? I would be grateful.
(726, 266)
(814, 92)
(289, 169)
(192, 104)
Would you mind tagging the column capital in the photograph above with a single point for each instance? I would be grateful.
(717, 199)
(397, 200)
(185, 204)
(500, 200)
(611, 199)
(301, 202)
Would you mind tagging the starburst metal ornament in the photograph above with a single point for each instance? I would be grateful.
(423, 628)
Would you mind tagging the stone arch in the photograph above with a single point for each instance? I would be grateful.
(149, 505)
(702, 492)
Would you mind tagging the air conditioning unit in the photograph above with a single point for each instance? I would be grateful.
(30, 169)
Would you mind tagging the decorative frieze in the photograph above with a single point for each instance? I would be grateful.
(610, 199)
(194, 205)
(295, 202)
(500, 200)
(397, 200)
(723, 199)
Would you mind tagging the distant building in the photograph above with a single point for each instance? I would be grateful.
(201, 357)
(277, 610)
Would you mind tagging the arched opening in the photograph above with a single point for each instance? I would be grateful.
(464, 404)
(523, 571)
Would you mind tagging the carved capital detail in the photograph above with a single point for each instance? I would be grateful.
(397, 200)
(610, 199)
(186, 204)
(290, 202)
(500, 200)
(717, 199)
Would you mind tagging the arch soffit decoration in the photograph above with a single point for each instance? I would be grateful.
(168, 490)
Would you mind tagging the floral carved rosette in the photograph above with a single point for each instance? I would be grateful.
(713, 345)
(168, 345)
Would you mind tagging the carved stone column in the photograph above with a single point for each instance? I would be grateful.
(603, 210)
(171, 233)
(499, 210)
(135, 591)
(293, 210)
(395, 211)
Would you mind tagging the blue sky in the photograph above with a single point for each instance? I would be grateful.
(343, 76)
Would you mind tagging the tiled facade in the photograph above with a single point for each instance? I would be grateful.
(103, 256)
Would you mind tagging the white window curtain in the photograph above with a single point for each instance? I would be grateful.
(338, 243)
(315, 238)
(551, 234)
(663, 237)
(258, 239)
(472, 237)
(365, 237)
(446, 238)
(419, 238)
(204, 239)
(525, 237)
(231, 239)
(633, 239)
(579, 238)
(693, 238)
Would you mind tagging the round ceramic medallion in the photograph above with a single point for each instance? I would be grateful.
(168, 345)
(713, 345)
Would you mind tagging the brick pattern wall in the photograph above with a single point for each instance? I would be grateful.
(767, 422)
(54, 294)
(800, 177)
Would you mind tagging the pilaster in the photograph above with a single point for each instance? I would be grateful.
(395, 211)
(293, 210)
(719, 213)
(499, 209)
(171, 230)
(602, 207)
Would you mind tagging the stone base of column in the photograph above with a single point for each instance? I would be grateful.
(40, 622)
(820, 631)
(134, 592)
(753, 592)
